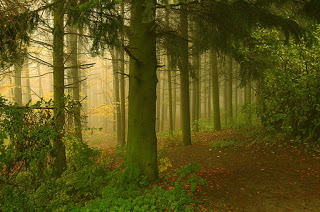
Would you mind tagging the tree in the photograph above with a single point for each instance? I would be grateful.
(215, 90)
(184, 77)
(17, 83)
(142, 140)
(59, 164)
(122, 85)
(75, 82)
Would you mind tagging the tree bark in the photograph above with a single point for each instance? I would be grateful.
(122, 86)
(170, 95)
(229, 92)
(215, 90)
(17, 84)
(184, 77)
(142, 140)
(75, 80)
(59, 155)
(115, 66)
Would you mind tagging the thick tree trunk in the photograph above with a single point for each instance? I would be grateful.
(59, 163)
(184, 78)
(142, 140)
(215, 90)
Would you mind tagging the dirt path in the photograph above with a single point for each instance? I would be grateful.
(252, 177)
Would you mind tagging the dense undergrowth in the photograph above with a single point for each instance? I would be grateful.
(90, 183)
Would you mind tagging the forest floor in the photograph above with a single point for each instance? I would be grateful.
(245, 174)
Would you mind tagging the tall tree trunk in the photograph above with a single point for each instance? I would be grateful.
(75, 80)
(115, 66)
(40, 90)
(236, 92)
(209, 95)
(59, 163)
(229, 92)
(215, 90)
(195, 98)
(170, 94)
(170, 68)
(174, 103)
(158, 106)
(122, 86)
(142, 140)
(17, 83)
(184, 78)
(27, 74)
(163, 103)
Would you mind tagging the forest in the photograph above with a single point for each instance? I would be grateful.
(159, 105)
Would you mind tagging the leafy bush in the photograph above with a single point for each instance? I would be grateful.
(289, 78)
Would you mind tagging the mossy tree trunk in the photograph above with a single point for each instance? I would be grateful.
(142, 140)
(184, 77)
(59, 155)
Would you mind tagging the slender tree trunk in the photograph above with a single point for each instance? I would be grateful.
(17, 83)
(184, 78)
(39, 80)
(115, 67)
(163, 105)
(209, 95)
(170, 94)
(170, 68)
(248, 101)
(229, 92)
(142, 140)
(122, 87)
(236, 93)
(26, 69)
(75, 80)
(83, 78)
(158, 106)
(174, 104)
(215, 90)
(195, 99)
(59, 163)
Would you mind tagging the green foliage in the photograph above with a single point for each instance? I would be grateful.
(290, 76)
(120, 195)
(88, 183)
